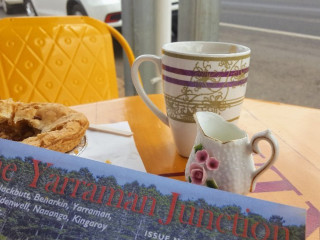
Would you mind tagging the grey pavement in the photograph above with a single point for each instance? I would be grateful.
(282, 69)
(285, 63)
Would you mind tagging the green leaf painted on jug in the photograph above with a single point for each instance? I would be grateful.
(212, 184)
(198, 147)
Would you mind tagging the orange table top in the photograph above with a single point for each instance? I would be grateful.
(293, 180)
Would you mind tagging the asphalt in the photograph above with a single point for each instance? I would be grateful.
(283, 68)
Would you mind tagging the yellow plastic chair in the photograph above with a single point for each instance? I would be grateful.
(68, 60)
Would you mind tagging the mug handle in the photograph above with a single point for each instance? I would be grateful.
(137, 84)
(267, 136)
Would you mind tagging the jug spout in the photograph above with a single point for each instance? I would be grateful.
(213, 126)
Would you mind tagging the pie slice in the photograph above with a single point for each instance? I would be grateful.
(48, 125)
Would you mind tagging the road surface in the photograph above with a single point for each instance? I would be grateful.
(284, 36)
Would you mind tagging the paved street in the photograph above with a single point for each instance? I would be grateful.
(283, 68)
(285, 15)
(285, 63)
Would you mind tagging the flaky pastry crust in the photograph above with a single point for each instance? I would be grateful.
(48, 125)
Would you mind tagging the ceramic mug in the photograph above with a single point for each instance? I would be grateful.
(197, 76)
(222, 155)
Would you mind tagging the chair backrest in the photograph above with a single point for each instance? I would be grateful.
(68, 60)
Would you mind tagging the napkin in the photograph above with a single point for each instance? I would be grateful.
(113, 149)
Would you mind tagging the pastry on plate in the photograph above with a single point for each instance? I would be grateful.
(48, 125)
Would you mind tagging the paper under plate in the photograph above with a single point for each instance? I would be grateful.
(113, 149)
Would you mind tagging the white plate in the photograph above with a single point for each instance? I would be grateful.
(80, 148)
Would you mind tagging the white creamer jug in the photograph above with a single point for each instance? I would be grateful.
(222, 155)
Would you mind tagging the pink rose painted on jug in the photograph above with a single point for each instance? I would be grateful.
(212, 163)
(198, 174)
(202, 156)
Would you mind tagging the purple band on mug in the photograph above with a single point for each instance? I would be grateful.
(192, 73)
(204, 84)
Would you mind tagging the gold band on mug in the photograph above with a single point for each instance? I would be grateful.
(183, 111)
(204, 58)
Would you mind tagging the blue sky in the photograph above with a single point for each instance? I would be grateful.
(164, 185)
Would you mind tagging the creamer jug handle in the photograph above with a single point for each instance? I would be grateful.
(137, 84)
(267, 136)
